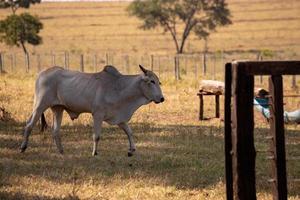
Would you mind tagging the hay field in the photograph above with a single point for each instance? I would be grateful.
(106, 27)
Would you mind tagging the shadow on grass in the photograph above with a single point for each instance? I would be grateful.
(187, 157)
(23, 196)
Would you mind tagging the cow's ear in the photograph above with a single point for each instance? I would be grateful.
(143, 69)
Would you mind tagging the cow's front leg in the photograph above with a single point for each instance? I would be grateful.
(128, 132)
(97, 130)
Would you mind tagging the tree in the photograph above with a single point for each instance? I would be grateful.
(15, 4)
(16, 30)
(200, 16)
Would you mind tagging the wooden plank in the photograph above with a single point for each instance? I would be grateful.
(271, 67)
(228, 131)
(278, 143)
(243, 158)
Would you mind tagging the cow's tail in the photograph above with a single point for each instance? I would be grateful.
(43, 123)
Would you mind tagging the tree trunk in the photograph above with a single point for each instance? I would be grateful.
(26, 57)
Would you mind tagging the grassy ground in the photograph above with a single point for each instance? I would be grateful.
(178, 157)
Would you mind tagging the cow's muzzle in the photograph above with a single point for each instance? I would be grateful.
(161, 100)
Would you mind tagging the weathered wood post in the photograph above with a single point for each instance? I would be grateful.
(66, 60)
(228, 132)
(53, 59)
(1, 63)
(243, 150)
(152, 62)
(277, 133)
(204, 63)
(38, 62)
(81, 63)
(294, 82)
(106, 59)
(95, 62)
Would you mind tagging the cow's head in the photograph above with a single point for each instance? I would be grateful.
(151, 86)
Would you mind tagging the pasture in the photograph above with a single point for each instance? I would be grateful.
(177, 157)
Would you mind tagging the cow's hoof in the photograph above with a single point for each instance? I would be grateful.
(95, 153)
(23, 148)
(130, 154)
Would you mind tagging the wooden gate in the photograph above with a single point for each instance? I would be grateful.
(239, 124)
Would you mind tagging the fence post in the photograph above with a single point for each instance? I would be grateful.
(1, 63)
(95, 62)
(81, 63)
(277, 133)
(106, 58)
(243, 149)
(260, 58)
(151, 62)
(53, 59)
(204, 63)
(215, 58)
(294, 82)
(38, 57)
(66, 63)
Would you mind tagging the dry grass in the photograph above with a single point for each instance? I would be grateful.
(106, 27)
(177, 156)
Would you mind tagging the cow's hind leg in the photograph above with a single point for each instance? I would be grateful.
(97, 131)
(128, 132)
(36, 114)
(57, 118)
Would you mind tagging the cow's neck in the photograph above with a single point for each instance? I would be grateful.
(131, 92)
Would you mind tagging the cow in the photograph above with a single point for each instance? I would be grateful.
(108, 95)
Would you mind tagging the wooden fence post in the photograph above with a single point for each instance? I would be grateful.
(66, 63)
(204, 63)
(106, 59)
(1, 62)
(243, 149)
(95, 62)
(53, 59)
(152, 62)
(294, 82)
(228, 132)
(38, 60)
(81, 63)
(277, 133)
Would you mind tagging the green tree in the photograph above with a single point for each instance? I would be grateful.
(15, 4)
(199, 16)
(17, 30)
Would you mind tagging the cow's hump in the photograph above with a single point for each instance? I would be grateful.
(112, 70)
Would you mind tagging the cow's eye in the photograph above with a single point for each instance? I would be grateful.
(152, 81)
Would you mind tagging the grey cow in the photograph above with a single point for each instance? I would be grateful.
(108, 95)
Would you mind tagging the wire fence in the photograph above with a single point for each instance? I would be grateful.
(185, 66)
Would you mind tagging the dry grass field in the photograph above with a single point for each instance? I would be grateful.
(178, 157)
(106, 27)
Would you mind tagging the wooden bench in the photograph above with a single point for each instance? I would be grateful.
(202, 93)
